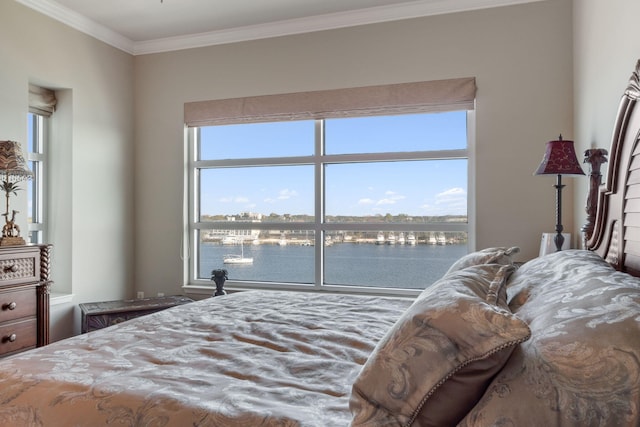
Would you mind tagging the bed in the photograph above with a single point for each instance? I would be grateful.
(553, 342)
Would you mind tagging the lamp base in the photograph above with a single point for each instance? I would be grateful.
(548, 245)
(12, 241)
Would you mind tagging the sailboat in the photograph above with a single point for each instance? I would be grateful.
(237, 259)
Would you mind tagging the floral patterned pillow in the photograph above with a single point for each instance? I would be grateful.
(435, 363)
(485, 256)
(582, 365)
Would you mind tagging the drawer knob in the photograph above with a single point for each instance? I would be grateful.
(11, 306)
(11, 268)
(10, 338)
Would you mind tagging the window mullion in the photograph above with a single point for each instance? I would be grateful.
(319, 202)
(399, 156)
(192, 236)
(267, 161)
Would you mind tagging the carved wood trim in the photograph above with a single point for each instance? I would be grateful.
(595, 157)
(614, 232)
(43, 298)
(45, 262)
(43, 294)
(633, 89)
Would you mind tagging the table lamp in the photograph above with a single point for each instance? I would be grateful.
(13, 169)
(559, 159)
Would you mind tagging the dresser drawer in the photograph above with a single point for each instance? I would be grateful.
(20, 267)
(25, 282)
(18, 336)
(18, 303)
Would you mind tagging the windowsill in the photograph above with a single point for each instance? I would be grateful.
(197, 290)
(60, 298)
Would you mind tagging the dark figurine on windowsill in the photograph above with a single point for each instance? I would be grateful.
(219, 276)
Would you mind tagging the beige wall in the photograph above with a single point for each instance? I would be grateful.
(521, 57)
(92, 156)
(607, 46)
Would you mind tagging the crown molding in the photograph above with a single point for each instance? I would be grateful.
(80, 23)
(414, 9)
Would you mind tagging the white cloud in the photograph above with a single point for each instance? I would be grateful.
(365, 201)
(287, 194)
(456, 193)
(449, 202)
(284, 194)
(392, 198)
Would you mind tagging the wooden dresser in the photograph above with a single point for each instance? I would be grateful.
(24, 297)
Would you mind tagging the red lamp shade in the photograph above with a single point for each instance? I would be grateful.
(559, 159)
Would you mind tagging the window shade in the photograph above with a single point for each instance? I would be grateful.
(403, 98)
(41, 101)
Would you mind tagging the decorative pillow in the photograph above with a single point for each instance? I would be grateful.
(582, 365)
(485, 256)
(435, 363)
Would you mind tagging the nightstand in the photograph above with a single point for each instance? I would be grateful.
(24, 297)
(98, 315)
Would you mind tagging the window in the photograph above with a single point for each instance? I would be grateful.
(42, 103)
(35, 187)
(365, 203)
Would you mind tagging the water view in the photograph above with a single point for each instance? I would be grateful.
(396, 266)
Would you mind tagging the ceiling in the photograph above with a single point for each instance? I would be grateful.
(150, 26)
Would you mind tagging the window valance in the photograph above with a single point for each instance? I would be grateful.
(403, 98)
(41, 100)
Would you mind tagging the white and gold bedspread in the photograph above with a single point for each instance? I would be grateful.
(246, 359)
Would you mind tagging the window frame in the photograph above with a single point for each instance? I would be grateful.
(318, 160)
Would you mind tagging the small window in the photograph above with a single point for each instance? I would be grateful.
(36, 156)
(42, 104)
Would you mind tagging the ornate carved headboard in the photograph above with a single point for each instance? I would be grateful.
(614, 233)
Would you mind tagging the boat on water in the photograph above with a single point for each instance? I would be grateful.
(380, 238)
(432, 239)
(401, 240)
(441, 240)
(411, 239)
(391, 238)
(237, 259)
(306, 241)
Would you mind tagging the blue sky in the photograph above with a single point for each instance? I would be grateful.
(436, 187)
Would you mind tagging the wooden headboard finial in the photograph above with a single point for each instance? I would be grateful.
(633, 90)
(595, 157)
